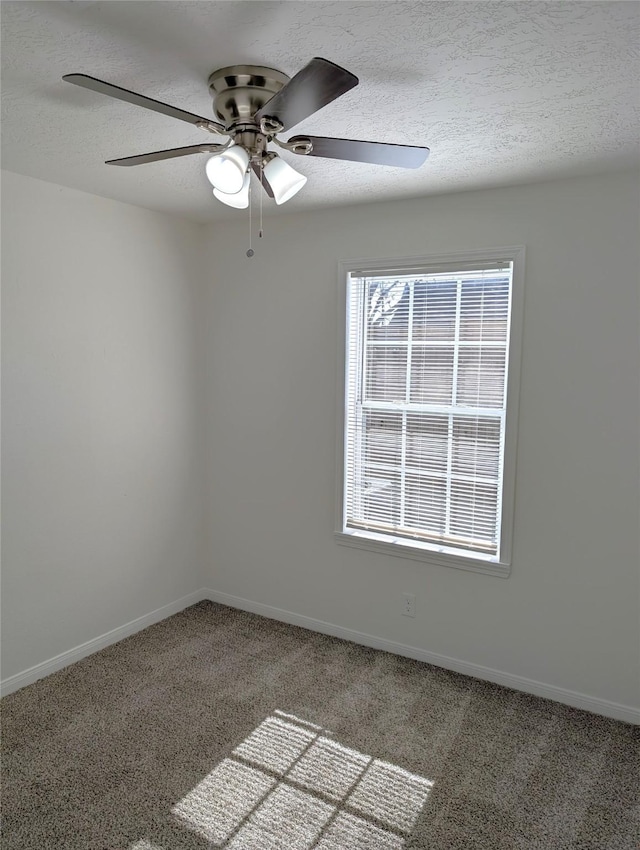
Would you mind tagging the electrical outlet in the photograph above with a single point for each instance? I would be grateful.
(408, 605)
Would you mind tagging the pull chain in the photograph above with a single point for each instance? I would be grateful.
(261, 194)
(250, 252)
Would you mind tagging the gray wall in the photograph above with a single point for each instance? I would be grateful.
(101, 499)
(568, 616)
(143, 354)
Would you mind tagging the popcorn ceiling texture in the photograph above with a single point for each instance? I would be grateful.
(502, 92)
(217, 728)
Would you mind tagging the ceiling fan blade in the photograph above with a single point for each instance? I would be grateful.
(260, 175)
(131, 97)
(156, 156)
(313, 87)
(376, 153)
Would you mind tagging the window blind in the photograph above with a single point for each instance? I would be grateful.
(425, 403)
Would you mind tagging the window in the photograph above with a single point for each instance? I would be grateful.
(430, 402)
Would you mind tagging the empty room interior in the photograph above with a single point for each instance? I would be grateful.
(320, 425)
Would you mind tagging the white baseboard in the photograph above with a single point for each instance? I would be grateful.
(27, 677)
(626, 713)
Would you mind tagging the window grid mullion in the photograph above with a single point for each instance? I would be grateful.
(389, 467)
(454, 394)
(504, 404)
(438, 343)
(407, 399)
(434, 409)
(475, 445)
(361, 377)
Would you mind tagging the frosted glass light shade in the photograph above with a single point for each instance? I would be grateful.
(284, 180)
(226, 170)
(239, 200)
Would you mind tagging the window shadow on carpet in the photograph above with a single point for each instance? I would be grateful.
(291, 784)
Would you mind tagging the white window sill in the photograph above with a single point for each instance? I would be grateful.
(425, 552)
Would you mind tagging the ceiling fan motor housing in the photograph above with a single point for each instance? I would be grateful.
(239, 91)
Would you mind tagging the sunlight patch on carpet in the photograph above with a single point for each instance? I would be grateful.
(349, 832)
(287, 818)
(329, 768)
(391, 795)
(290, 785)
(275, 744)
(224, 799)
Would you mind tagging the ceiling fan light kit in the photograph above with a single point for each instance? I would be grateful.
(226, 171)
(285, 181)
(254, 104)
(239, 200)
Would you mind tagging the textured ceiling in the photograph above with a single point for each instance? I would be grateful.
(501, 92)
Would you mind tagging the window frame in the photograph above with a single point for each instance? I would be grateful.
(499, 565)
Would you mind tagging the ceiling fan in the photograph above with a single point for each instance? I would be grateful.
(255, 104)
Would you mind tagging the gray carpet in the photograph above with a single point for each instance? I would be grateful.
(217, 728)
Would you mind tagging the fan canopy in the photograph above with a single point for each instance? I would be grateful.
(239, 91)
